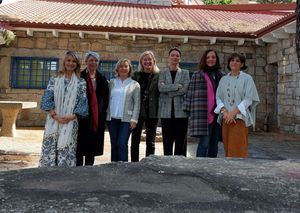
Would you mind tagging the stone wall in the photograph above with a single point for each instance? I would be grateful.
(283, 54)
(43, 44)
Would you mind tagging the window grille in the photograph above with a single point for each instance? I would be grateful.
(107, 68)
(32, 72)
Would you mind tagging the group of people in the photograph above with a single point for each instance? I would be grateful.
(212, 106)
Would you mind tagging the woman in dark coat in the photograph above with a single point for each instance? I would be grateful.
(147, 76)
(91, 130)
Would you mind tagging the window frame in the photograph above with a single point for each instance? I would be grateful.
(15, 73)
(110, 74)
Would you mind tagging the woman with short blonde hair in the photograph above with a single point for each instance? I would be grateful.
(123, 110)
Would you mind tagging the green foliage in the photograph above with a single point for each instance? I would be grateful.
(206, 2)
(274, 1)
(6, 37)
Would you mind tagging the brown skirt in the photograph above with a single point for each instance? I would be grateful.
(235, 139)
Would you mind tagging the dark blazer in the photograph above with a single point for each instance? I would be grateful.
(90, 142)
(153, 93)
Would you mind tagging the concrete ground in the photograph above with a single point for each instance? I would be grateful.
(23, 151)
(268, 181)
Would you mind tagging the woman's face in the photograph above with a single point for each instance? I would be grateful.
(92, 63)
(70, 63)
(147, 63)
(123, 70)
(211, 59)
(174, 57)
(235, 64)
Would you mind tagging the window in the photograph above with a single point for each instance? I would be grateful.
(107, 68)
(191, 67)
(32, 73)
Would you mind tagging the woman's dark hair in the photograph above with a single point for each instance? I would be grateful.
(202, 64)
(239, 56)
(176, 49)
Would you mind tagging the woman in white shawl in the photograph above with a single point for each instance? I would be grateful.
(64, 100)
(237, 99)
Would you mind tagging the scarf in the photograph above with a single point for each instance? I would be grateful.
(64, 99)
(93, 105)
(210, 99)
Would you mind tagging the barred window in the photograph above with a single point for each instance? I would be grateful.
(107, 68)
(32, 72)
(190, 66)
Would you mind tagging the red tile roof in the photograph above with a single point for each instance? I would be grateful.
(223, 21)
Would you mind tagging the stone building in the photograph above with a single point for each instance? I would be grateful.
(46, 30)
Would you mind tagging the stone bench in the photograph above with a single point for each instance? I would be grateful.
(10, 110)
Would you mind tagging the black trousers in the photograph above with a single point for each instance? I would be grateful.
(174, 130)
(151, 125)
(88, 160)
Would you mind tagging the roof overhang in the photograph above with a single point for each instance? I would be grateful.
(274, 36)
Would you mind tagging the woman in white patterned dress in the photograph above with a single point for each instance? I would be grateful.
(64, 100)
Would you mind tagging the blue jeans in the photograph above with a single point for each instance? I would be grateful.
(208, 144)
(119, 134)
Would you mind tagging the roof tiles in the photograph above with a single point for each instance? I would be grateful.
(120, 17)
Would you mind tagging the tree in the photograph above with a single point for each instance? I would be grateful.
(217, 1)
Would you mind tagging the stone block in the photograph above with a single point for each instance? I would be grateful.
(290, 50)
(281, 88)
(74, 35)
(295, 67)
(245, 50)
(64, 35)
(228, 49)
(261, 62)
(49, 34)
(40, 43)
(286, 43)
(20, 34)
(297, 129)
(259, 71)
(39, 34)
(73, 45)
(63, 43)
(272, 49)
(26, 43)
(260, 50)
(272, 59)
(85, 46)
(52, 43)
(97, 46)
(288, 69)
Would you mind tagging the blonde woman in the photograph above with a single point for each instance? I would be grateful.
(64, 100)
(147, 76)
(123, 110)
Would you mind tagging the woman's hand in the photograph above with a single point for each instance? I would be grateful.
(132, 125)
(66, 119)
(52, 113)
(229, 117)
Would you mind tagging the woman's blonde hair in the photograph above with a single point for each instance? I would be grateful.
(148, 52)
(119, 63)
(75, 57)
